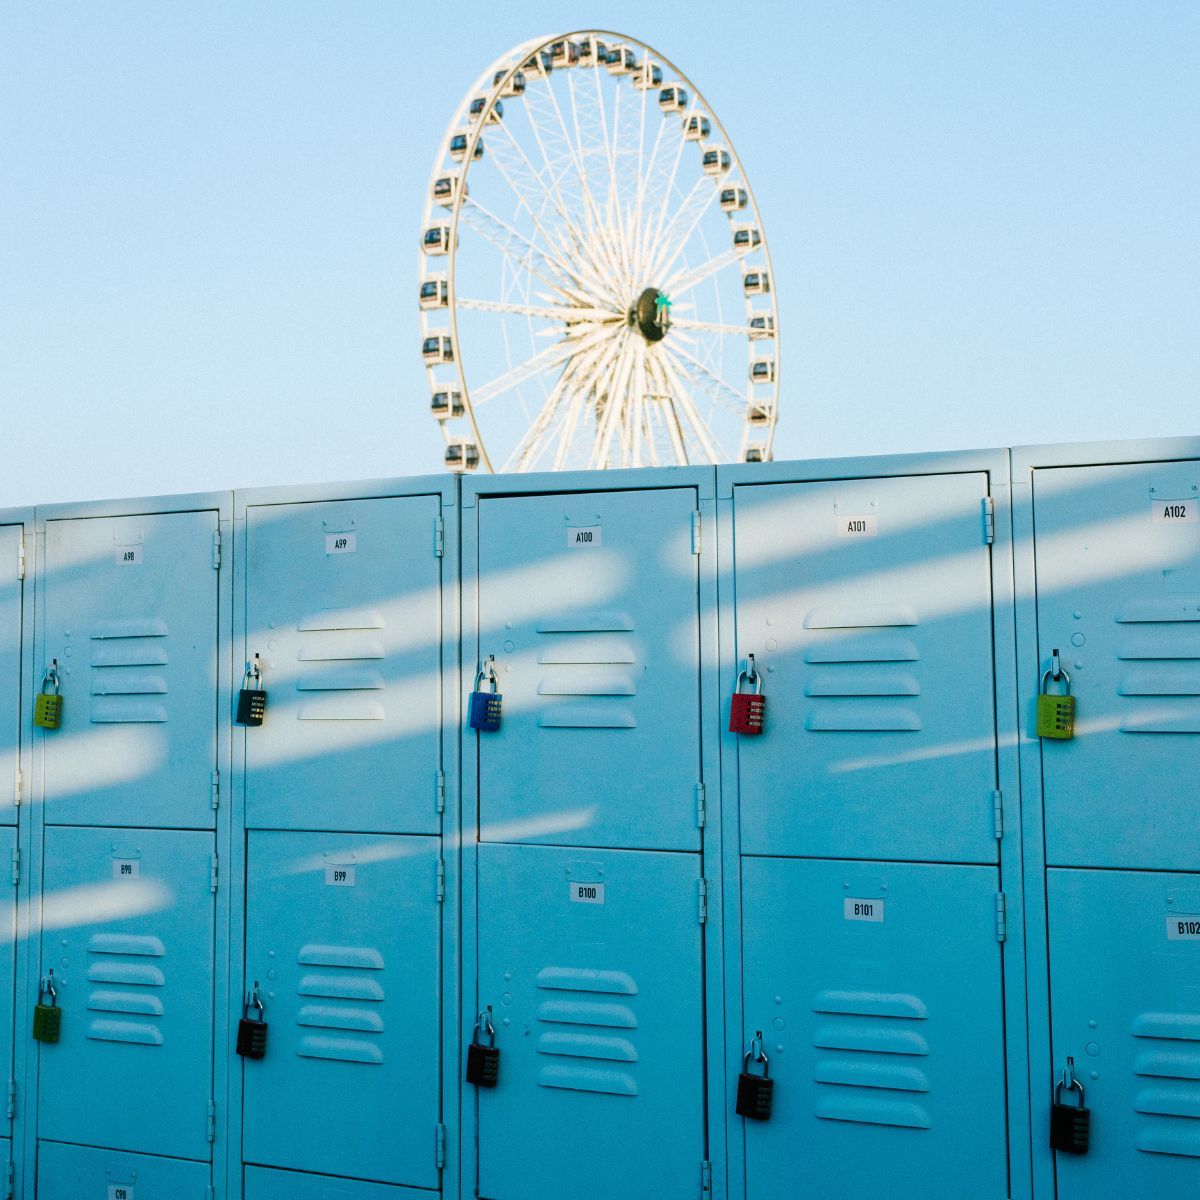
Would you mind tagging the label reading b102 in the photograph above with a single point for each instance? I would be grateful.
(587, 893)
(339, 876)
(1183, 929)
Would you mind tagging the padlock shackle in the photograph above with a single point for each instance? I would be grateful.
(757, 1054)
(50, 675)
(254, 1000)
(46, 987)
(487, 671)
(254, 671)
(1049, 674)
(484, 1022)
(750, 674)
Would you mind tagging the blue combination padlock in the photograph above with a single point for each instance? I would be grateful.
(483, 708)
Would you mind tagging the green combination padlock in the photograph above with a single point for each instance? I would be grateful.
(47, 1018)
(1056, 713)
(47, 708)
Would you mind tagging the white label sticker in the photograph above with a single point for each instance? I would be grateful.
(1183, 929)
(128, 556)
(341, 543)
(120, 1191)
(587, 893)
(339, 876)
(583, 535)
(856, 526)
(862, 910)
(1174, 512)
(127, 868)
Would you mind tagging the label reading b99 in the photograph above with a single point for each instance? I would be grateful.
(339, 876)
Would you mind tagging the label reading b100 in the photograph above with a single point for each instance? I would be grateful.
(1183, 929)
(339, 876)
(587, 893)
(862, 910)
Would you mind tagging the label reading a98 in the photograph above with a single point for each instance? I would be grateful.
(587, 893)
(120, 1191)
(336, 876)
(862, 910)
(1183, 929)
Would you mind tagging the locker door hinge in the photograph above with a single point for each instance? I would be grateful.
(16, 872)
(989, 520)
(696, 532)
(701, 807)
(212, 874)
(705, 1180)
(18, 788)
(441, 881)
(439, 537)
(212, 1120)
(210, 1193)
(21, 555)
(1001, 918)
(703, 901)
(439, 1146)
(998, 813)
(10, 1183)
(439, 791)
(216, 550)
(12, 1099)
(216, 789)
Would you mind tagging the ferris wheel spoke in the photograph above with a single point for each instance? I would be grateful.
(682, 284)
(534, 178)
(683, 405)
(561, 312)
(523, 199)
(544, 360)
(707, 326)
(507, 239)
(667, 414)
(554, 172)
(714, 386)
(613, 407)
(684, 223)
(526, 450)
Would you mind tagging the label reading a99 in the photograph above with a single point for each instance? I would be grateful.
(587, 893)
(339, 876)
(1183, 929)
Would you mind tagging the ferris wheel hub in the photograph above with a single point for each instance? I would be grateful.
(650, 314)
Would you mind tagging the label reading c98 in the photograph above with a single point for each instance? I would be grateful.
(120, 1191)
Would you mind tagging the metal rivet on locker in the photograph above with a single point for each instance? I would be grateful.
(252, 699)
(483, 1062)
(252, 1032)
(47, 708)
(47, 1018)
(747, 710)
(1070, 1124)
(754, 1093)
(483, 708)
(1055, 713)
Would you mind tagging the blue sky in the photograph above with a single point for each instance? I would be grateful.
(984, 220)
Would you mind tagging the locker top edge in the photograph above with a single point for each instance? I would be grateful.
(444, 485)
(16, 516)
(621, 480)
(220, 502)
(1083, 454)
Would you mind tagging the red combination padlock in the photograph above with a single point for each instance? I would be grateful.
(747, 710)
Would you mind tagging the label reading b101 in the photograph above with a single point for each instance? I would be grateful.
(587, 893)
(1183, 929)
(862, 910)
(342, 876)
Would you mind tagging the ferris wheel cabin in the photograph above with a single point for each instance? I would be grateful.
(746, 238)
(762, 326)
(462, 456)
(697, 128)
(436, 240)
(716, 161)
(458, 147)
(756, 283)
(446, 189)
(447, 404)
(673, 99)
(437, 350)
(755, 453)
(514, 87)
(564, 54)
(621, 60)
(479, 106)
(650, 76)
(762, 370)
(435, 292)
(592, 52)
(733, 199)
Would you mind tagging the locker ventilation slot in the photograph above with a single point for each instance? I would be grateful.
(867, 1073)
(119, 689)
(574, 1056)
(578, 658)
(127, 1007)
(1161, 636)
(1170, 1105)
(329, 689)
(345, 1024)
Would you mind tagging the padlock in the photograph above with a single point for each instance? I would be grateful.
(252, 700)
(252, 1033)
(755, 1092)
(1055, 714)
(483, 1062)
(47, 1018)
(47, 708)
(747, 710)
(1070, 1124)
(483, 708)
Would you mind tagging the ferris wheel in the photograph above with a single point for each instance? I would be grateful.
(595, 283)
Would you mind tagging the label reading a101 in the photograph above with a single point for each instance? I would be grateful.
(339, 876)
(862, 910)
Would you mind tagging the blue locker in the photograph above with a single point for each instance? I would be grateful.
(127, 927)
(1118, 593)
(10, 934)
(1125, 998)
(83, 1173)
(867, 604)
(877, 987)
(591, 961)
(11, 542)
(342, 935)
(262, 1183)
(343, 605)
(589, 605)
(131, 618)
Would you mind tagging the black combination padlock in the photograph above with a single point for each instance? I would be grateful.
(252, 1031)
(483, 1061)
(484, 708)
(1070, 1124)
(252, 699)
(47, 1018)
(755, 1092)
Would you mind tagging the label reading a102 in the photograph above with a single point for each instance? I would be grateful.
(1183, 929)
(587, 893)
(127, 868)
(862, 910)
(336, 876)
(120, 1191)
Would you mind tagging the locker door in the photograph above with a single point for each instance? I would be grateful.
(342, 935)
(1125, 995)
(1118, 592)
(344, 606)
(72, 1172)
(878, 989)
(589, 604)
(131, 617)
(8, 941)
(10, 662)
(867, 605)
(592, 963)
(128, 930)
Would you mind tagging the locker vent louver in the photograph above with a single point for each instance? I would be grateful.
(117, 962)
(859, 684)
(585, 655)
(342, 999)
(1169, 1059)
(122, 688)
(338, 685)
(600, 1031)
(872, 1070)
(1160, 639)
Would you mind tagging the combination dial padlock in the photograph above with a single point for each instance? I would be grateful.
(1070, 1124)
(252, 1031)
(755, 1092)
(748, 710)
(252, 699)
(1055, 713)
(483, 708)
(47, 708)
(483, 1061)
(47, 1018)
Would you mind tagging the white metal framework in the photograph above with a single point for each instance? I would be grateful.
(592, 250)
